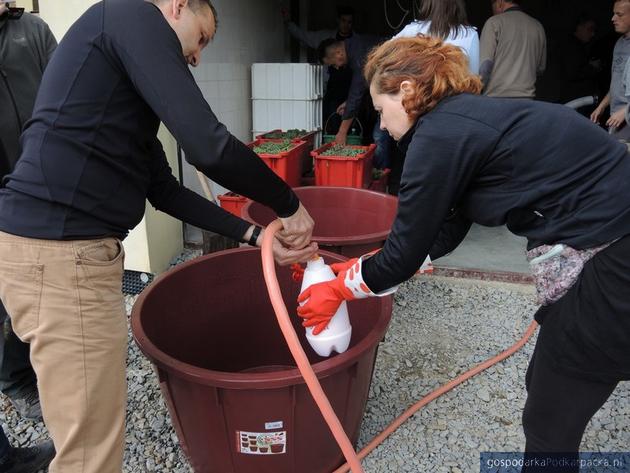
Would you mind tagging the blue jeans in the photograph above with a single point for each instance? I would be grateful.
(384, 144)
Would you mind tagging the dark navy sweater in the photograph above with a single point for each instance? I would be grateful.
(90, 156)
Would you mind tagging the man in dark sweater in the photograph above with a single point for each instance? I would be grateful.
(26, 45)
(90, 158)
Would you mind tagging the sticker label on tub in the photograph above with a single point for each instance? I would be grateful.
(261, 443)
(273, 425)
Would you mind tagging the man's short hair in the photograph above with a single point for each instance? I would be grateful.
(585, 17)
(322, 49)
(344, 10)
(196, 4)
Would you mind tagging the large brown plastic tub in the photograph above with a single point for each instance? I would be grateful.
(237, 402)
(348, 221)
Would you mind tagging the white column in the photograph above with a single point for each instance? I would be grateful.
(60, 14)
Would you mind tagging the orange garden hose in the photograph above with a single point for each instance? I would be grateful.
(353, 459)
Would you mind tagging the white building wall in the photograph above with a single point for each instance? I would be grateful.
(249, 31)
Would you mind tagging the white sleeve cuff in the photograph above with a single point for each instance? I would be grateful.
(354, 281)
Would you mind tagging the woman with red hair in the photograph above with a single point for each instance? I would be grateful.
(541, 169)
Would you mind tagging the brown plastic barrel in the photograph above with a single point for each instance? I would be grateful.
(348, 221)
(237, 402)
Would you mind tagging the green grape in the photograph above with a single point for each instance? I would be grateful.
(286, 135)
(342, 150)
(269, 147)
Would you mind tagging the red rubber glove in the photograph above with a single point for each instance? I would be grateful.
(297, 272)
(345, 266)
(324, 299)
(319, 324)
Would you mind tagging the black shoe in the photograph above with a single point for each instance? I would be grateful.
(27, 403)
(27, 460)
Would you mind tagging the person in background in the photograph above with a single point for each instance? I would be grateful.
(312, 39)
(513, 51)
(24, 459)
(616, 96)
(26, 46)
(338, 85)
(580, 72)
(447, 20)
(560, 182)
(90, 160)
(336, 78)
(352, 53)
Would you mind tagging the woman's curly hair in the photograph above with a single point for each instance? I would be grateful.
(437, 70)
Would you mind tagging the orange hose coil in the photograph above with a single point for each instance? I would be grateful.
(352, 458)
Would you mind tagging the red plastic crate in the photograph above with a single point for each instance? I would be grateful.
(309, 137)
(307, 161)
(233, 203)
(288, 164)
(344, 171)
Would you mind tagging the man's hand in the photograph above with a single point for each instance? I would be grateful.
(618, 118)
(282, 254)
(597, 113)
(341, 109)
(285, 256)
(297, 229)
(341, 138)
(342, 135)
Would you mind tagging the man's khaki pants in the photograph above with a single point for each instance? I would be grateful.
(65, 299)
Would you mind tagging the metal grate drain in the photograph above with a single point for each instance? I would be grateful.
(134, 282)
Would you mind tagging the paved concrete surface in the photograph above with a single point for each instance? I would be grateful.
(488, 250)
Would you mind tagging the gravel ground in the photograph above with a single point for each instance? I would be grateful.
(441, 327)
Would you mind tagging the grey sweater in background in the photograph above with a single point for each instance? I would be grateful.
(26, 45)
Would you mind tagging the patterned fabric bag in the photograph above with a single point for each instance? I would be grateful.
(556, 268)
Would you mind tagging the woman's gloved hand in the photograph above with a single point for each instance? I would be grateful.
(322, 300)
(345, 266)
(297, 271)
